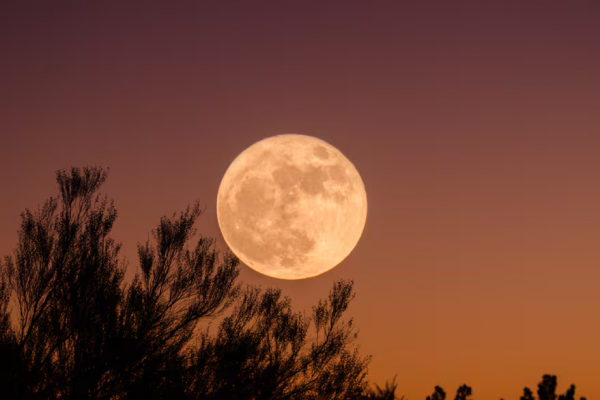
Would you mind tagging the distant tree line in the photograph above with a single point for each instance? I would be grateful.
(546, 391)
(71, 328)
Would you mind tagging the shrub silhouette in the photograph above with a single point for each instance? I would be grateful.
(463, 393)
(527, 394)
(71, 328)
(547, 390)
(386, 393)
(438, 394)
(80, 332)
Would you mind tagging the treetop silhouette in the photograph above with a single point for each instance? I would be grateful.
(71, 328)
(79, 331)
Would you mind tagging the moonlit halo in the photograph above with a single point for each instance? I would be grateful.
(291, 206)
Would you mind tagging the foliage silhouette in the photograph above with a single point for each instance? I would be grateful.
(438, 394)
(79, 332)
(463, 393)
(569, 395)
(261, 351)
(527, 394)
(71, 328)
(547, 390)
(386, 393)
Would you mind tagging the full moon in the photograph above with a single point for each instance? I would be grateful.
(291, 206)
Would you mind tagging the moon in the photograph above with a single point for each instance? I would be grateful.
(291, 206)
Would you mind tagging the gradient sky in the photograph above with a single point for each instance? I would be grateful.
(475, 126)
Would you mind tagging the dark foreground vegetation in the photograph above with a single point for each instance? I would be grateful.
(71, 328)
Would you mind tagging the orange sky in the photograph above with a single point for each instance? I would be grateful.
(475, 126)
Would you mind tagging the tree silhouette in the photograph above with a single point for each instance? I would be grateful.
(569, 395)
(438, 394)
(79, 332)
(378, 393)
(547, 388)
(65, 279)
(71, 328)
(527, 394)
(9, 360)
(177, 288)
(263, 351)
(463, 393)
